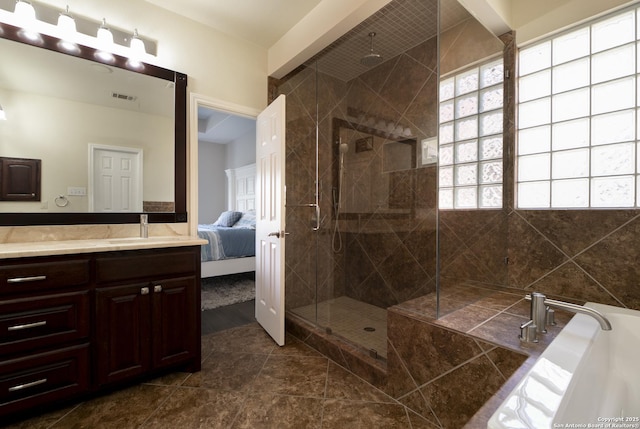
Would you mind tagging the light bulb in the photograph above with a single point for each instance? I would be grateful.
(24, 11)
(67, 24)
(104, 36)
(137, 45)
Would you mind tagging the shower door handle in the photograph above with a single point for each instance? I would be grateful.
(317, 208)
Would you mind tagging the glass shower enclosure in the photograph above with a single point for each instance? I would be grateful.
(361, 175)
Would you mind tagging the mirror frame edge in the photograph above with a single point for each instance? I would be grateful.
(179, 215)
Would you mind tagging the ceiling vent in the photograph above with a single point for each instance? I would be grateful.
(124, 96)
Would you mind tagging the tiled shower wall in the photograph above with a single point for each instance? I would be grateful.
(390, 250)
(585, 255)
(389, 247)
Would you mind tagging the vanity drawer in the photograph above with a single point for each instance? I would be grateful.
(43, 378)
(156, 265)
(43, 321)
(17, 278)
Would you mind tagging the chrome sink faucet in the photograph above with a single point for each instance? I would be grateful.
(542, 315)
(144, 226)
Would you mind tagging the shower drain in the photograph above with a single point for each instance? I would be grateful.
(369, 329)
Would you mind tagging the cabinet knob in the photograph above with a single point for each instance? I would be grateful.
(144, 291)
(157, 288)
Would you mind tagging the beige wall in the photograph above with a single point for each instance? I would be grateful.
(63, 149)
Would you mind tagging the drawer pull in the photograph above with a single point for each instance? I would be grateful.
(27, 385)
(26, 279)
(144, 291)
(27, 326)
(157, 288)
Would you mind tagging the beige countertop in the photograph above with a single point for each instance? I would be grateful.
(49, 248)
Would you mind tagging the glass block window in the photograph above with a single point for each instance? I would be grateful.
(470, 138)
(578, 110)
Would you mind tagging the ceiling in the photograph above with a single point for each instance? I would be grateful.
(262, 22)
(220, 127)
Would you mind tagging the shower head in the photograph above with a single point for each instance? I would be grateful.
(344, 148)
(371, 59)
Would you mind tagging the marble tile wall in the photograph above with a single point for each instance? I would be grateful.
(444, 375)
(389, 248)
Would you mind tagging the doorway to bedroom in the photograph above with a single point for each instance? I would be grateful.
(226, 207)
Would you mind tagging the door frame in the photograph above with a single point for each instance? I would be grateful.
(139, 165)
(199, 100)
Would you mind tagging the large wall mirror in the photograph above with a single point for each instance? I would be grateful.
(110, 136)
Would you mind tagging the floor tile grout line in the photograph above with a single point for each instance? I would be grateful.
(157, 409)
(65, 415)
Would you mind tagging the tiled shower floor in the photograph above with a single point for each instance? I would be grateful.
(348, 318)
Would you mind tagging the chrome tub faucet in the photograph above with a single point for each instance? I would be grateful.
(542, 315)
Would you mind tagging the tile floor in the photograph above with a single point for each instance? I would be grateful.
(352, 320)
(246, 382)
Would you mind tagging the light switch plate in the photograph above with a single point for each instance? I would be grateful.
(76, 191)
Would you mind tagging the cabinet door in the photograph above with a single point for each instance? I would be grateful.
(19, 179)
(122, 328)
(176, 328)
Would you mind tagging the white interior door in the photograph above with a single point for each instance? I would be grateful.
(270, 226)
(115, 179)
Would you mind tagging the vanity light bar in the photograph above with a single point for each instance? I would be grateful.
(86, 29)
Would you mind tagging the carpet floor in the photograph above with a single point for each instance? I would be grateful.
(226, 290)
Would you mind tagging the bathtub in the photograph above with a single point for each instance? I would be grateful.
(586, 378)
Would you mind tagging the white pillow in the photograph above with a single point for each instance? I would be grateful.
(248, 220)
(228, 218)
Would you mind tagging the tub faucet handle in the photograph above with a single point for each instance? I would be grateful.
(528, 332)
(551, 317)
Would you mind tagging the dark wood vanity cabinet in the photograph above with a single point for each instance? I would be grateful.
(144, 317)
(74, 324)
(44, 331)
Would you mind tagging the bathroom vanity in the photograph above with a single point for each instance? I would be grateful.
(80, 317)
